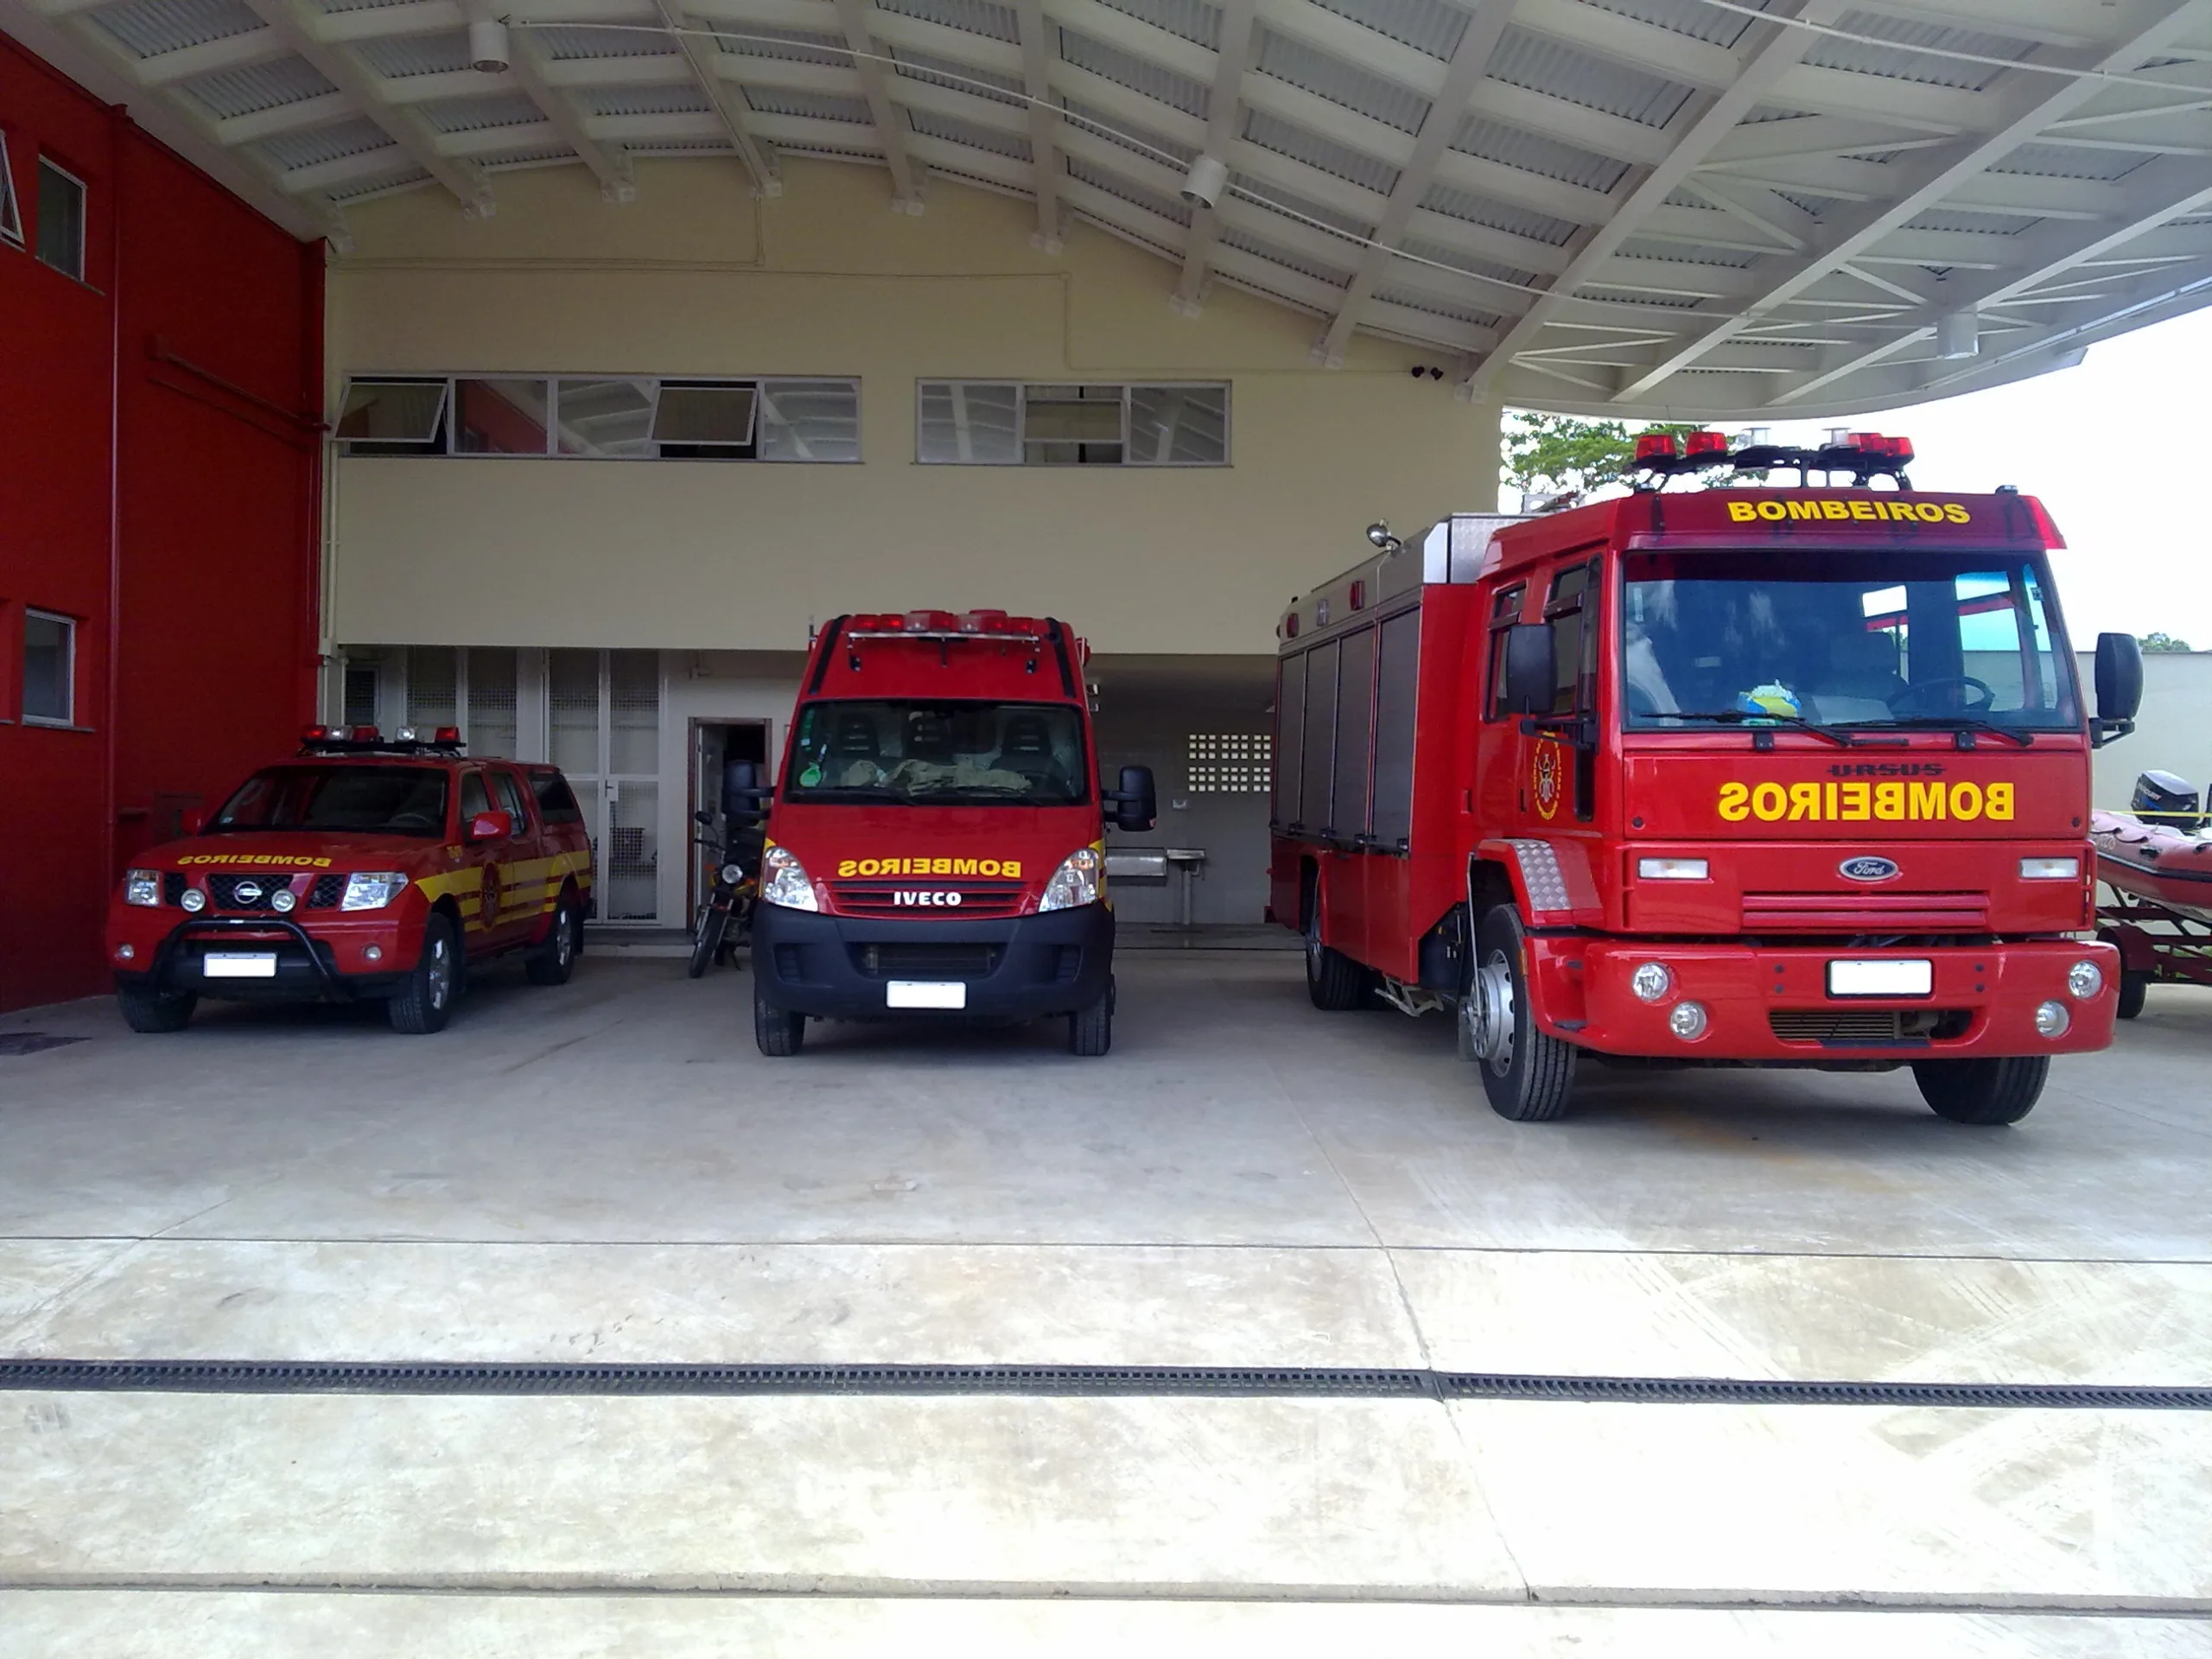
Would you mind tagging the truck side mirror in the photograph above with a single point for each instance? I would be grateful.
(490, 826)
(743, 794)
(2119, 687)
(1136, 803)
(1531, 674)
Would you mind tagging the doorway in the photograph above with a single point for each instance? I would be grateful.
(714, 743)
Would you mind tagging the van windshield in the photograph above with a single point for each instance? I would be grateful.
(358, 800)
(1894, 639)
(939, 753)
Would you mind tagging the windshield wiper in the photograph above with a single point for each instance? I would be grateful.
(1960, 723)
(1742, 717)
(861, 792)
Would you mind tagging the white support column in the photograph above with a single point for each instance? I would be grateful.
(890, 117)
(1223, 130)
(1043, 121)
(727, 103)
(527, 60)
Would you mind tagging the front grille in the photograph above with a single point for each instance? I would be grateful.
(1869, 1027)
(223, 891)
(902, 961)
(882, 898)
(173, 886)
(327, 891)
(1866, 912)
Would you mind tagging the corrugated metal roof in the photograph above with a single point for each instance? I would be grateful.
(1603, 294)
(1141, 140)
(790, 45)
(1498, 215)
(149, 27)
(482, 113)
(831, 152)
(812, 107)
(412, 178)
(1287, 138)
(568, 44)
(1331, 78)
(1691, 17)
(680, 98)
(2069, 161)
(975, 135)
(1686, 253)
(1197, 21)
(1899, 62)
(1138, 74)
(1275, 196)
(1494, 140)
(1114, 184)
(402, 55)
(516, 160)
(292, 151)
(1972, 223)
(651, 147)
(360, 5)
(256, 86)
(1430, 26)
(1537, 63)
(1120, 234)
(1336, 276)
(976, 16)
(1438, 252)
(960, 77)
(1413, 300)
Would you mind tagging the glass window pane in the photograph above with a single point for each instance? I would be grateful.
(492, 701)
(810, 420)
(1172, 426)
(695, 414)
(606, 418)
(1073, 414)
(968, 421)
(11, 218)
(500, 417)
(392, 411)
(572, 679)
(47, 642)
(433, 688)
(61, 220)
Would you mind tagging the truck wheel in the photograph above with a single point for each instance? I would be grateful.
(147, 1009)
(1982, 1092)
(2133, 983)
(553, 961)
(1090, 1031)
(1527, 1073)
(1334, 980)
(423, 1003)
(778, 1031)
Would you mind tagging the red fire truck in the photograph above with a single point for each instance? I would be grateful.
(936, 840)
(1763, 774)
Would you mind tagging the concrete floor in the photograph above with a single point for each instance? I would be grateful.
(609, 1170)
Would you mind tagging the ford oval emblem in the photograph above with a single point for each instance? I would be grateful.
(1867, 869)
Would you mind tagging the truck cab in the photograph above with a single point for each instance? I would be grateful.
(933, 842)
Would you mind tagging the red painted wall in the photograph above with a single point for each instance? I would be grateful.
(157, 485)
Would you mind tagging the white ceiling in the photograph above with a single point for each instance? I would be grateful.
(1631, 208)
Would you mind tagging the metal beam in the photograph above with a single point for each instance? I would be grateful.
(1470, 62)
(726, 102)
(527, 60)
(890, 119)
(1234, 57)
(1037, 57)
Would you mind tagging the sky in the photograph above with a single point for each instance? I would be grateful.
(2120, 449)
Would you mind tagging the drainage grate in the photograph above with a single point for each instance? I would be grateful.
(1129, 1382)
(32, 1042)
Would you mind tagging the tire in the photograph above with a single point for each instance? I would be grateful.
(1527, 1073)
(1090, 1031)
(1334, 980)
(1982, 1092)
(2133, 984)
(781, 1032)
(149, 1010)
(553, 961)
(706, 949)
(424, 1003)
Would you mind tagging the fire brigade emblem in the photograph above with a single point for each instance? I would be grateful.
(1546, 771)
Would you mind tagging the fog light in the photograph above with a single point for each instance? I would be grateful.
(2052, 1020)
(372, 953)
(282, 901)
(1687, 1021)
(125, 953)
(2085, 980)
(1652, 981)
(194, 899)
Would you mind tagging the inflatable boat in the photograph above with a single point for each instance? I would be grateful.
(2155, 860)
(2167, 866)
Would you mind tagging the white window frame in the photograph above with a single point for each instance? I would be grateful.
(764, 386)
(11, 213)
(68, 720)
(83, 219)
(1022, 389)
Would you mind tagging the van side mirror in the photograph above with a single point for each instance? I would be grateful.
(191, 821)
(743, 794)
(2119, 687)
(1136, 803)
(490, 826)
(1531, 674)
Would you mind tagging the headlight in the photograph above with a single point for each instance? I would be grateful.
(142, 888)
(1079, 880)
(2050, 869)
(784, 880)
(1652, 981)
(1671, 869)
(2085, 979)
(2052, 1020)
(732, 873)
(372, 890)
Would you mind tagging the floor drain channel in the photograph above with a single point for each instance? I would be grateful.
(1126, 1382)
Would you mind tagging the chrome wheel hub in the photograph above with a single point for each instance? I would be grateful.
(1488, 1013)
(441, 975)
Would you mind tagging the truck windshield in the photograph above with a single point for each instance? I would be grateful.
(1894, 638)
(354, 800)
(931, 753)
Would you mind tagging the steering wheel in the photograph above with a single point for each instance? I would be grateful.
(1913, 698)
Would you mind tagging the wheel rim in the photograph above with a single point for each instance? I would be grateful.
(1490, 1013)
(565, 946)
(1313, 949)
(441, 975)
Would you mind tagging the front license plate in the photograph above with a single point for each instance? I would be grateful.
(926, 994)
(239, 965)
(1881, 978)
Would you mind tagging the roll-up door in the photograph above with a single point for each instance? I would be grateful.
(1355, 735)
(1319, 772)
(1397, 674)
(1290, 736)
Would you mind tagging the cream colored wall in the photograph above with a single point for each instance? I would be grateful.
(696, 277)
(2173, 728)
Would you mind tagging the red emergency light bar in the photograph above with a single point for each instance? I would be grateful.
(365, 740)
(1652, 445)
(944, 625)
(1861, 456)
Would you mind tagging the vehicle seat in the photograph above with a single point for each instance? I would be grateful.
(1025, 746)
(929, 738)
(1862, 677)
(855, 738)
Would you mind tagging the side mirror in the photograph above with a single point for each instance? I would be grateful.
(743, 794)
(489, 826)
(1136, 803)
(1531, 674)
(2119, 687)
(191, 821)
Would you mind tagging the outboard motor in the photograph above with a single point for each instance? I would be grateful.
(2165, 800)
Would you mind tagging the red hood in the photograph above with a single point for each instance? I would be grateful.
(290, 850)
(875, 839)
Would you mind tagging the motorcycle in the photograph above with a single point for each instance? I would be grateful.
(725, 920)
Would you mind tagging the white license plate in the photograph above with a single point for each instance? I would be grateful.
(926, 994)
(1881, 978)
(239, 965)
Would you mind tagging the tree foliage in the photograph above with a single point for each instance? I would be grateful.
(2162, 642)
(1554, 454)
